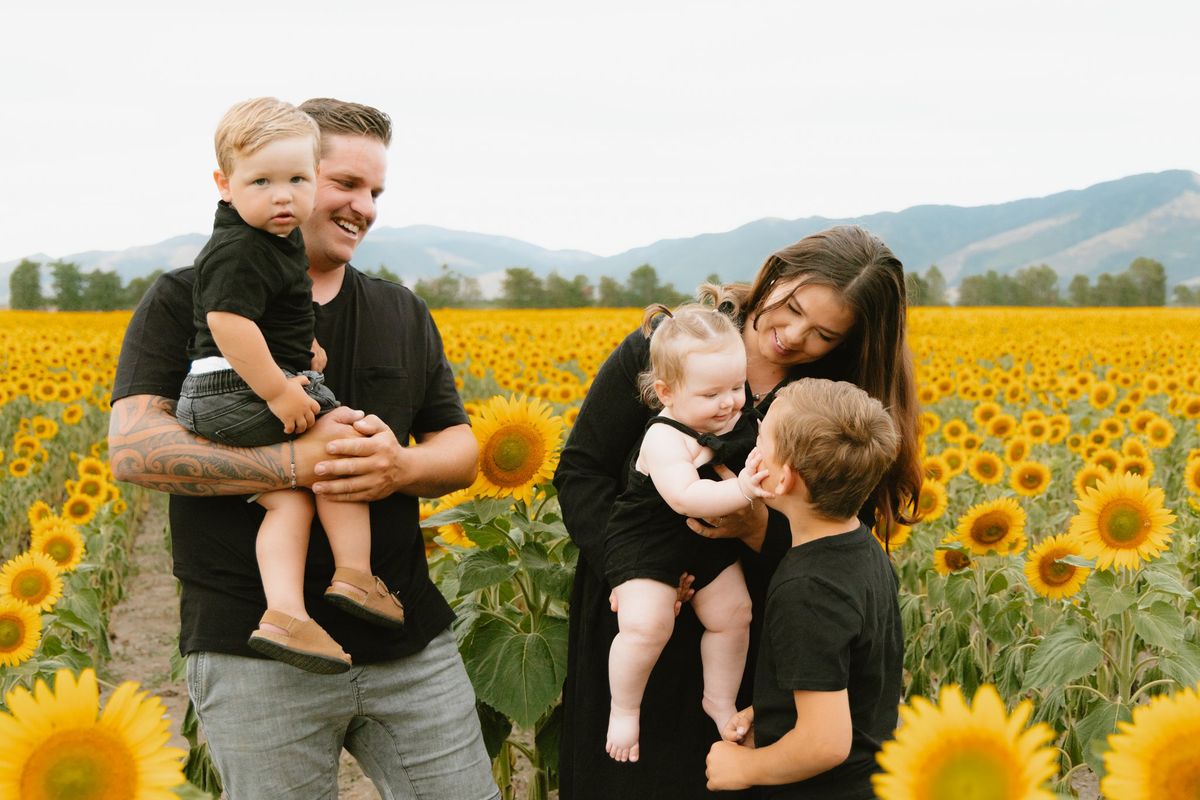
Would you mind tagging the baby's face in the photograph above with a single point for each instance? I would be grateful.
(274, 187)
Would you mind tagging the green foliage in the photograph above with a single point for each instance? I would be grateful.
(1184, 295)
(927, 290)
(449, 289)
(25, 286)
(68, 286)
(102, 291)
(1030, 286)
(1144, 283)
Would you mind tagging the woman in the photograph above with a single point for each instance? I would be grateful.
(831, 306)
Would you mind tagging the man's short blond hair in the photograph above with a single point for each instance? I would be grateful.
(838, 438)
(251, 124)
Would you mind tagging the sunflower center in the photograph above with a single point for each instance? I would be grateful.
(986, 469)
(512, 456)
(1052, 571)
(60, 550)
(81, 764)
(970, 775)
(31, 586)
(1122, 523)
(957, 559)
(990, 527)
(12, 634)
(1031, 480)
(925, 501)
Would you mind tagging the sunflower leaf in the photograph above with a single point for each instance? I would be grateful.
(1076, 561)
(1063, 655)
(1108, 599)
(1095, 727)
(517, 667)
(1166, 582)
(549, 575)
(483, 568)
(1160, 625)
(1182, 665)
(449, 515)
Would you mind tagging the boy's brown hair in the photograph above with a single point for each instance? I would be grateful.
(251, 124)
(838, 438)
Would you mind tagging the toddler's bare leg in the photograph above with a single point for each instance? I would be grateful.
(646, 616)
(723, 607)
(348, 526)
(281, 548)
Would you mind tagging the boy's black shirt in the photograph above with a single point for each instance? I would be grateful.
(832, 622)
(252, 273)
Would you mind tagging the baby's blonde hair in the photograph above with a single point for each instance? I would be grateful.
(251, 124)
(690, 328)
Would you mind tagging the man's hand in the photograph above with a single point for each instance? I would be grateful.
(723, 767)
(293, 407)
(749, 524)
(367, 467)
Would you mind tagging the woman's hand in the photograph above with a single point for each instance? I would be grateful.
(749, 524)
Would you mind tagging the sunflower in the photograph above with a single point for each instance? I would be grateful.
(1137, 465)
(1029, 478)
(932, 501)
(20, 632)
(518, 446)
(44, 427)
(33, 578)
(954, 430)
(897, 534)
(997, 525)
(1157, 753)
(79, 509)
(1075, 442)
(1134, 447)
(39, 511)
(1001, 426)
(970, 442)
(950, 750)
(1107, 458)
(60, 540)
(947, 560)
(1088, 476)
(954, 459)
(987, 468)
(935, 468)
(1159, 433)
(930, 422)
(1048, 575)
(20, 467)
(1191, 476)
(985, 411)
(57, 747)
(72, 414)
(1101, 395)
(90, 465)
(1122, 522)
(1038, 430)
(1016, 449)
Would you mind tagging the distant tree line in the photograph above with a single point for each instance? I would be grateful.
(72, 289)
(1143, 283)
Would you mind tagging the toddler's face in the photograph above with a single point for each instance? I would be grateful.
(273, 188)
(713, 390)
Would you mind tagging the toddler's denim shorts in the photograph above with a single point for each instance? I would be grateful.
(222, 408)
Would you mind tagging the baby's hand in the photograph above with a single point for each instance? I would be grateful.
(740, 726)
(293, 407)
(751, 477)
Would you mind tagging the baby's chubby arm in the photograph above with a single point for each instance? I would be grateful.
(667, 456)
(243, 346)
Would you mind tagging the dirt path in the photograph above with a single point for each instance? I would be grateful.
(143, 631)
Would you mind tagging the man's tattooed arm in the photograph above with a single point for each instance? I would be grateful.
(147, 446)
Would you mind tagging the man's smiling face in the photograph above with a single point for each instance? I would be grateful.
(350, 180)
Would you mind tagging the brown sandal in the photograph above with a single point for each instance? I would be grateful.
(305, 644)
(369, 599)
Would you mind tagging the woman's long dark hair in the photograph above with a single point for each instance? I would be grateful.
(870, 279)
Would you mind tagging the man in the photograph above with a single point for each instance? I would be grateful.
(406, 709)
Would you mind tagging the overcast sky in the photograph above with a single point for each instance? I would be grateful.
(596, 126)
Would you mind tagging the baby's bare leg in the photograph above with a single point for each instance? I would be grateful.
(348, 526)
(646, 615)
(281, 548)
(723, 607)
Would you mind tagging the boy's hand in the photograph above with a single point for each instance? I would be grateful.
(740, 728)
(723, 767)
(293, 407)
(319, 358)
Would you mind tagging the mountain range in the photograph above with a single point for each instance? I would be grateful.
(1087, 231)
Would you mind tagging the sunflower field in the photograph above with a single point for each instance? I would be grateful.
(1048, 588)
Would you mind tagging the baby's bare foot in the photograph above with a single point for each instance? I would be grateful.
(623, 729)
(719, 712)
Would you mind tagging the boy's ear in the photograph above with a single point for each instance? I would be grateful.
(787, 480)
(663, 390)
(222, 185)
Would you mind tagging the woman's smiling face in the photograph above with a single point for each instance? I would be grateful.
(803, 323)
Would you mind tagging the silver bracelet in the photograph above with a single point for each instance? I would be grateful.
(292, 448)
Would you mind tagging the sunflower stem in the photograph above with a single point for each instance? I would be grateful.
(1146, 686)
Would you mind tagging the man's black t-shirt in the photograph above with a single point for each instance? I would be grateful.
(832, 623)
(246, 271)
(386, 358)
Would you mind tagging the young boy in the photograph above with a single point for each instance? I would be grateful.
(827, 685)
(255, 378)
